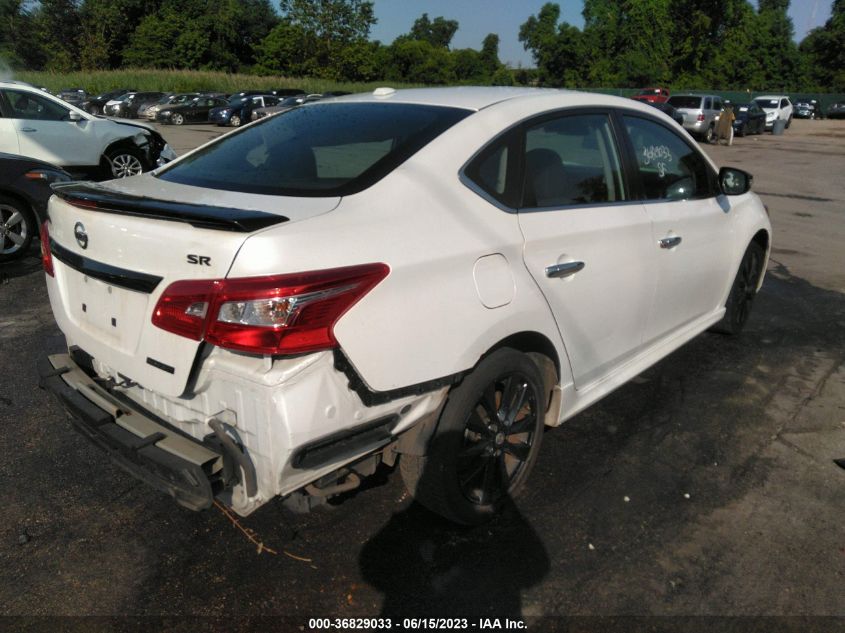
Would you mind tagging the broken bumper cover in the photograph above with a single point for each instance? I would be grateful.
(151, 451)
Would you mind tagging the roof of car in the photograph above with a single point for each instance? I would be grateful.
(771, 97)
(469, 97)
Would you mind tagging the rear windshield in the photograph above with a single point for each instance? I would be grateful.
(316, 150)
(690, 103)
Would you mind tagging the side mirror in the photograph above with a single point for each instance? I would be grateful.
(74, 117)
(734, 182)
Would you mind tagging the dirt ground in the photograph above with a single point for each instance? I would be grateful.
(705, 487)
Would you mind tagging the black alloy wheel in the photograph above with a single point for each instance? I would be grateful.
(486, 442)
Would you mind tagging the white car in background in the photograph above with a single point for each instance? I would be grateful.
(38, 125)
(776, 107)
(423, 276)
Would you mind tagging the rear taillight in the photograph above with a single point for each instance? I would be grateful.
(183, 307)
(46, 255)
(278, 314)
(700, 117)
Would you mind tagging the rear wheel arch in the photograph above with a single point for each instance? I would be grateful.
(539, 348)
(535, 346)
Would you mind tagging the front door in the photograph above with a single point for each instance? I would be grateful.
(45, 133)
(692, 227)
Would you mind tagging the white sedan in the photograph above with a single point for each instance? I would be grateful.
(423, 276)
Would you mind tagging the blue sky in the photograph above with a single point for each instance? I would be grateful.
(477, 18)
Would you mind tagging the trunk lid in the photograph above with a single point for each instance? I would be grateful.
(117, 246)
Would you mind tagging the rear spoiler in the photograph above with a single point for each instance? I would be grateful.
(88, 195)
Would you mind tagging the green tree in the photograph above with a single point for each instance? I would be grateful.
(418, 61)
(776, 45)
(490, 54)
(823, 52)
(329, 26)
(58, 29)
(467, 66)
(106, 26)
(17, 36)
(558, 49)
(438, 33)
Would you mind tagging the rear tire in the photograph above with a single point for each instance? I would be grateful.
(486, 442)
(708, 135)
(743, 291)
(17, 228)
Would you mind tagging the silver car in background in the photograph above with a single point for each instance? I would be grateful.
(700, 113)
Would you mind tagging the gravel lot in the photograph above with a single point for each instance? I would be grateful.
(704, 487)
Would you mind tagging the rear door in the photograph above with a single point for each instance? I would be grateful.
(587, 245)
(691, 227)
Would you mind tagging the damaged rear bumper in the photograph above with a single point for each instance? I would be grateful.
(152, 451)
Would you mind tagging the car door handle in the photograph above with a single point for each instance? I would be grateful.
(670, 242)
(564, 270)
(28, 129)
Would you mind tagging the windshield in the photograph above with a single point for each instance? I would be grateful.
(688, 102)
(649, 91)
(316, 150)
(767, 103)
(236, 101)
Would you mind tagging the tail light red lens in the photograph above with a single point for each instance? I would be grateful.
(277, 314)
(46, 254)
(183, 307)
(700, 117)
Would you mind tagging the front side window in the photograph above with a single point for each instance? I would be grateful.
(571, 160)
(669, 168)
(320, 150)
(25, 105)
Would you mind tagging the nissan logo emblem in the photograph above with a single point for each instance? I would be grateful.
(80, 235)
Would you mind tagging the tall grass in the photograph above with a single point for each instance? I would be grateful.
(95, 82)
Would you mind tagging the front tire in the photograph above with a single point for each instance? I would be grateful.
(124, 162)
(486, 442)
(235, 121)
(17, 228)
(743, 291)
(177, 119)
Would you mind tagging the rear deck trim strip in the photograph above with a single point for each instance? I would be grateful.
(129, 279)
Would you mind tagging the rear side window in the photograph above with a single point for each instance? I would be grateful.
(320, 150)
(686, 102)
(669, 168)
(571, 160)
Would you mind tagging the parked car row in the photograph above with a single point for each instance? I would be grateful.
(699, 113)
